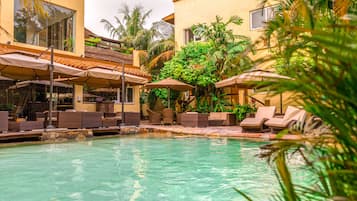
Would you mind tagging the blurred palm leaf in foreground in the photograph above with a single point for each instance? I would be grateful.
(322, 36)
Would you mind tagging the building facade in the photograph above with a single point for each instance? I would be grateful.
(29, 29)
(190, 12)
(62, 25)
(254, 15)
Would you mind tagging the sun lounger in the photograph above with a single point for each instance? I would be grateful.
(263, 114)
(292, 115)
(167, 116)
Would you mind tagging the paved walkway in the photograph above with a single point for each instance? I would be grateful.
(219, 131)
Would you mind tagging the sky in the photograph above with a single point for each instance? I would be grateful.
(95, 10)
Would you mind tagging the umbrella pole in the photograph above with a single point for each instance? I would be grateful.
(51, 91)
(281, 103)
(123, 97)
(168, 96)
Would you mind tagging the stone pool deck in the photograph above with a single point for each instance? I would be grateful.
(216, 131)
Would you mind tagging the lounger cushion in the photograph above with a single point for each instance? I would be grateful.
(252, 122)
(277, 123)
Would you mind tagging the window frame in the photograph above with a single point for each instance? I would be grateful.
(65, 29)
(187, 36)
(266, 17)
(118, 101)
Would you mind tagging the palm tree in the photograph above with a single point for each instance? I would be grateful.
(161, 47)
(157, 42)
(324, 34)
(130, 27)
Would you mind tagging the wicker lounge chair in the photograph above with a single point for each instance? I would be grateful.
(4, 121)
(263, 114)
(154, 117)
(167, 116)
(292, 115)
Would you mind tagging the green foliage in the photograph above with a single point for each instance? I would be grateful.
(220, 102)
(202, 64)
(317, 39)
(129, 29)
(241, 111)
(7, 107)
(227, 48)
(190, 66)
(92, 41)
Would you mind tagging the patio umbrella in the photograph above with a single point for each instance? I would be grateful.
(29, 67)
(38, 82)
(246, 80)
(169, 84)
(2, 78)
(100, 77)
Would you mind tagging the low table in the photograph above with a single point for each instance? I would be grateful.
(194, 119)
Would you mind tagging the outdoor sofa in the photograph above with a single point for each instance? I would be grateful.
(262, 115)
(73, 120)
(19, 126)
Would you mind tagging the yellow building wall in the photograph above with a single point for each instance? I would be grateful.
(79, 105)
(7, 24)
(190, 12)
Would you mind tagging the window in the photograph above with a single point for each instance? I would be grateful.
(189, 36)
(259, 17)
(106, 94)
(54, 27)
(129, 95)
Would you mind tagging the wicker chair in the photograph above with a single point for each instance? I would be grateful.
(154, 117)
(4, 121)
(168, 116)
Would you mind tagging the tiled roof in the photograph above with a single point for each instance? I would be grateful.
(73, 61)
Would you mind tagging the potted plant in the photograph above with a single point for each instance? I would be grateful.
(242, 111)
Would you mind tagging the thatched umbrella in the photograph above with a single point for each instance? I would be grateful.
(248, 80)
(169, 84)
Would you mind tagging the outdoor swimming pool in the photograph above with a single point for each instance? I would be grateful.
(135, 169)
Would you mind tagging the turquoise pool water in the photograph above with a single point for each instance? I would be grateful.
(149, 169)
